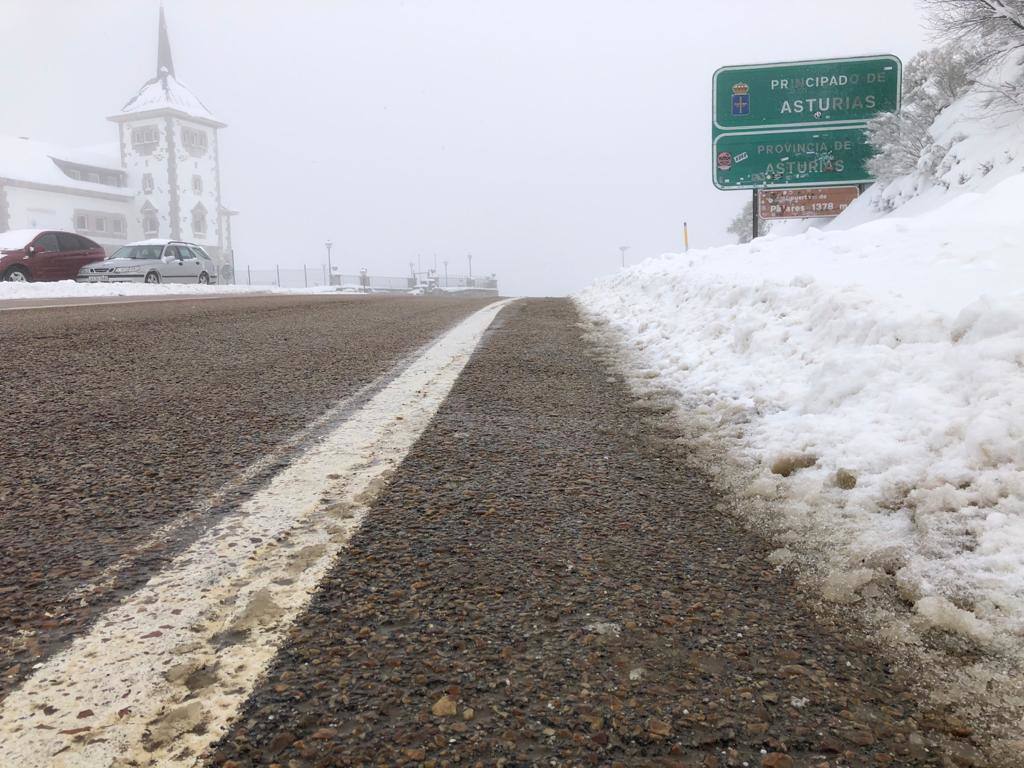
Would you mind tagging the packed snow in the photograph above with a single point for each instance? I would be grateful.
(868, 383)
(69, 289)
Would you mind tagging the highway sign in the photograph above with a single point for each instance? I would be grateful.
(820, 202)
(798, 158)
(806, 93)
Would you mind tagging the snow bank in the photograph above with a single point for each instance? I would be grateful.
(870, 382)
(70, 289)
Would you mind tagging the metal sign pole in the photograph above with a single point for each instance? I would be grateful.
(757, 222)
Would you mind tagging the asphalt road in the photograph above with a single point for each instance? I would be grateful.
(121, 420)
(544, 582)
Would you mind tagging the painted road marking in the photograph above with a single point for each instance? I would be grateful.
(159, 677)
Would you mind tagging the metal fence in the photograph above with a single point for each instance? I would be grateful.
(311, 277)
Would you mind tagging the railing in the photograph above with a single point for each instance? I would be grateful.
(312, 277)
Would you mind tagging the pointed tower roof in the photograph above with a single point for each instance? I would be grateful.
(164, 60)
(165, 93)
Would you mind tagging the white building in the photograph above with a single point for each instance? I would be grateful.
(160, 179)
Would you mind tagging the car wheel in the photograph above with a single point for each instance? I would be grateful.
(17, 275)
(204, 279)
(153, 277)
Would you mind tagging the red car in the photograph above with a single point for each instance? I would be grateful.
(28, 255)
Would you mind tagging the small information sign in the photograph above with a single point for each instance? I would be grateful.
(819, 202)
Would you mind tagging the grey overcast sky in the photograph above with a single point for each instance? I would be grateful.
(538, 135)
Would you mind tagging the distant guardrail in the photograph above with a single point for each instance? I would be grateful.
(312, 277)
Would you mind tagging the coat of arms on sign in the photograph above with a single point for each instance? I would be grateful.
(741, 99)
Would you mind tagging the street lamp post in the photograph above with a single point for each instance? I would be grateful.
(446, 273)
(469, 258)
(623, 249)
(330, 270)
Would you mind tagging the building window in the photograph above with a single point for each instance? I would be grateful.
(193, 140)
(145, 134)
(197, 184)
(74, 173)
(150, 222)
(147, 183)
(145, 139)
(199, 221)
(100, 223)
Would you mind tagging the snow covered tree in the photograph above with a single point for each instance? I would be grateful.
(999, 22)
(932, 81)
(743, 225)
(995, 30)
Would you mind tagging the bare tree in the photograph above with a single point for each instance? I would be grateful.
(743, 225)
(994, 21)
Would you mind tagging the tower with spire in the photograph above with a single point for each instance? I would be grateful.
(170, 150)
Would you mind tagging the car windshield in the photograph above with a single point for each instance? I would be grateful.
(137, 252)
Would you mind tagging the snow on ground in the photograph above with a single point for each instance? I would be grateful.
(63, 289)
(870, 384)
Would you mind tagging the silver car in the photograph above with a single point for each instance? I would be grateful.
(153, 261)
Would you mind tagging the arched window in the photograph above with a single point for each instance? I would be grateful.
(150, 220)
(199, 221)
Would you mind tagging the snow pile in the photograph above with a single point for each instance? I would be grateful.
(69, 289)
(869, 382)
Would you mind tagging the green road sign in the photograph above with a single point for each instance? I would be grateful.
(809, 157)
(806, 93)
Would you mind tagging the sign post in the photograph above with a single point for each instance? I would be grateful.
(756, 230)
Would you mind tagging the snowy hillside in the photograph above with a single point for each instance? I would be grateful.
(867, 379)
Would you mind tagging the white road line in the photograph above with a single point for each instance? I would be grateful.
(341, 410)
(159, 677)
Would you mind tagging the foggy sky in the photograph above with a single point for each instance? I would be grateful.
(539, 135)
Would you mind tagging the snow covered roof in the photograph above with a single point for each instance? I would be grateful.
(106, 155)
(166, 93)
(31, 161)
(17, 238)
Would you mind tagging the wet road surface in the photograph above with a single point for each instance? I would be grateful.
(544, 582)
(125, 421)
